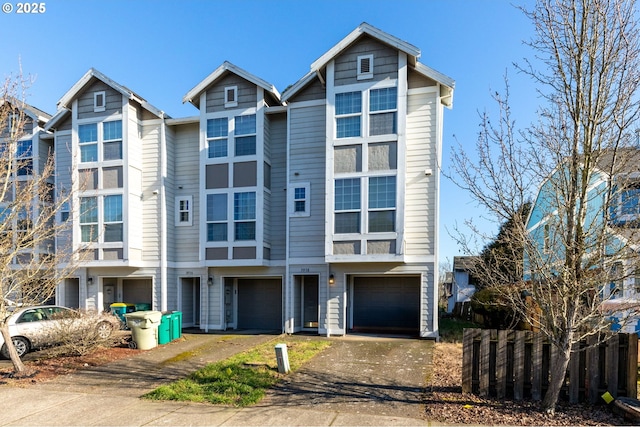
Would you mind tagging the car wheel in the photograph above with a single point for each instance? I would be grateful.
(21, 344)
(104, 330)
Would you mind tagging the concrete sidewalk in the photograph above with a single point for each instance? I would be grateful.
(358, 381)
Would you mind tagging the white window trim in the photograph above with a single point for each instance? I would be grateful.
(365, 75)
(189, 210)
(227, 102)
(292, 199)
(99, 107)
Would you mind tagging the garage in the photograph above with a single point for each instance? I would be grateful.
(137, 291)
(386, 304)
(260, 304)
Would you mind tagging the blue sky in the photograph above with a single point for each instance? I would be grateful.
(161, 49)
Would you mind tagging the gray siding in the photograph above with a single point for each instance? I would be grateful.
(308, 159)
(85, 101)
(385, 61)
(187, 174)
(64, 166)
(420, 201)
(278, 144)
(247, 93)
(314, 91)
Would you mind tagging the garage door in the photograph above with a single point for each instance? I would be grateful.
(137, 291)
(386, 303)
(259, 304)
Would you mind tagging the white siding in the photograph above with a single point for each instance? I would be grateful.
(147, 154)
(420, 200)
(307, 157)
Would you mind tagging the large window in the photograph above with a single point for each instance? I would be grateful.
(112, 140)
(24, 157)
(347, 205)
(88, 219)
(245, 135)
(348, 114)
(88, 137)
(382, 204)
(383, 111)
(113, 218)
(217, 133)
(109, 134)
(217, 218)
(244, 215)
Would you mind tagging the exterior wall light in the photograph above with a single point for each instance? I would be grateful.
(90, 280)
(332, 279)
(210, 281)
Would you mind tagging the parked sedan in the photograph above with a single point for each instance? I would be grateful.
(36, 327)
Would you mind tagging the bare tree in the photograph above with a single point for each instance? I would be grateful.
(31, 266)
(575, 165)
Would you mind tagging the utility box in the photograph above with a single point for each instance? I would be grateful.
(283, 358)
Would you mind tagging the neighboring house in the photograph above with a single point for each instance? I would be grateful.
(463, 284)
(32, 148)
(313, 210)
(615, 233)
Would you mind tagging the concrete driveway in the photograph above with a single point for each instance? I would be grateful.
(357, 381)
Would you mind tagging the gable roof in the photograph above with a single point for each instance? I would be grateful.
(412, 52)
(35, 113)
(64, 104)
(193, 96)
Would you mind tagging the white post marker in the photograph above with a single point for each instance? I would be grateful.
(283, 358)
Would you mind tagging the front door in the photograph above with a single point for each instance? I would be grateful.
(230, 292)
(108, 295)
(310, 302)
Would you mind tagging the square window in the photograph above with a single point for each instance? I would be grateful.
(245, 231)
(217, 232)
(382, 192)
(347, 222)
(347, 194)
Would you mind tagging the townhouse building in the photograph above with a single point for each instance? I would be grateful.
(311, 210)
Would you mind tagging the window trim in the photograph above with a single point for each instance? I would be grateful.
(189, 211)
(365, 75)
(230, 101)
(99, 107)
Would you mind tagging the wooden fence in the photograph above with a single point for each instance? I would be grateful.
(515, 364)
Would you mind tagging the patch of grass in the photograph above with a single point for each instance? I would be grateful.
(240, 380)
(451, 328)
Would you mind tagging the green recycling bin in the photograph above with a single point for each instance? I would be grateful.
(122, 308)
(144, 328)
(176, 325)
(164, 334)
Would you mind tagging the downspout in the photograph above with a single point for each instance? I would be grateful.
(163, 215)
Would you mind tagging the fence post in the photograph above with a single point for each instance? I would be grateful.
(501, 364)
(593, 374)
(518, 366)
(536, 361)
(611, 364)
(468, 336)
(485, 356)
(632, 365)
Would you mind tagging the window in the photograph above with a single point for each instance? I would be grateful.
(99, 101)
(347, 205)
(64, 212)
(24, 158)
(24, 226)
(630, 202)
(299, 201)
(365, 67)
(88, 219)
(245, 135)
(244, 215)
(183, 211)
(348, 114)
(383, 111)
(88, 137)
(216, 217)
(616, 272)
(230, 96)
(113, 218)
(112, 140)
(217, 133)
(382, 204)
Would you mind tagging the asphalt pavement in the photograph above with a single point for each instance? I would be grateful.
(359, 380)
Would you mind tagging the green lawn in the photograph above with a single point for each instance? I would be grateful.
(240, 380)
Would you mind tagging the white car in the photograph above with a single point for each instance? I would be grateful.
(36, 327)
